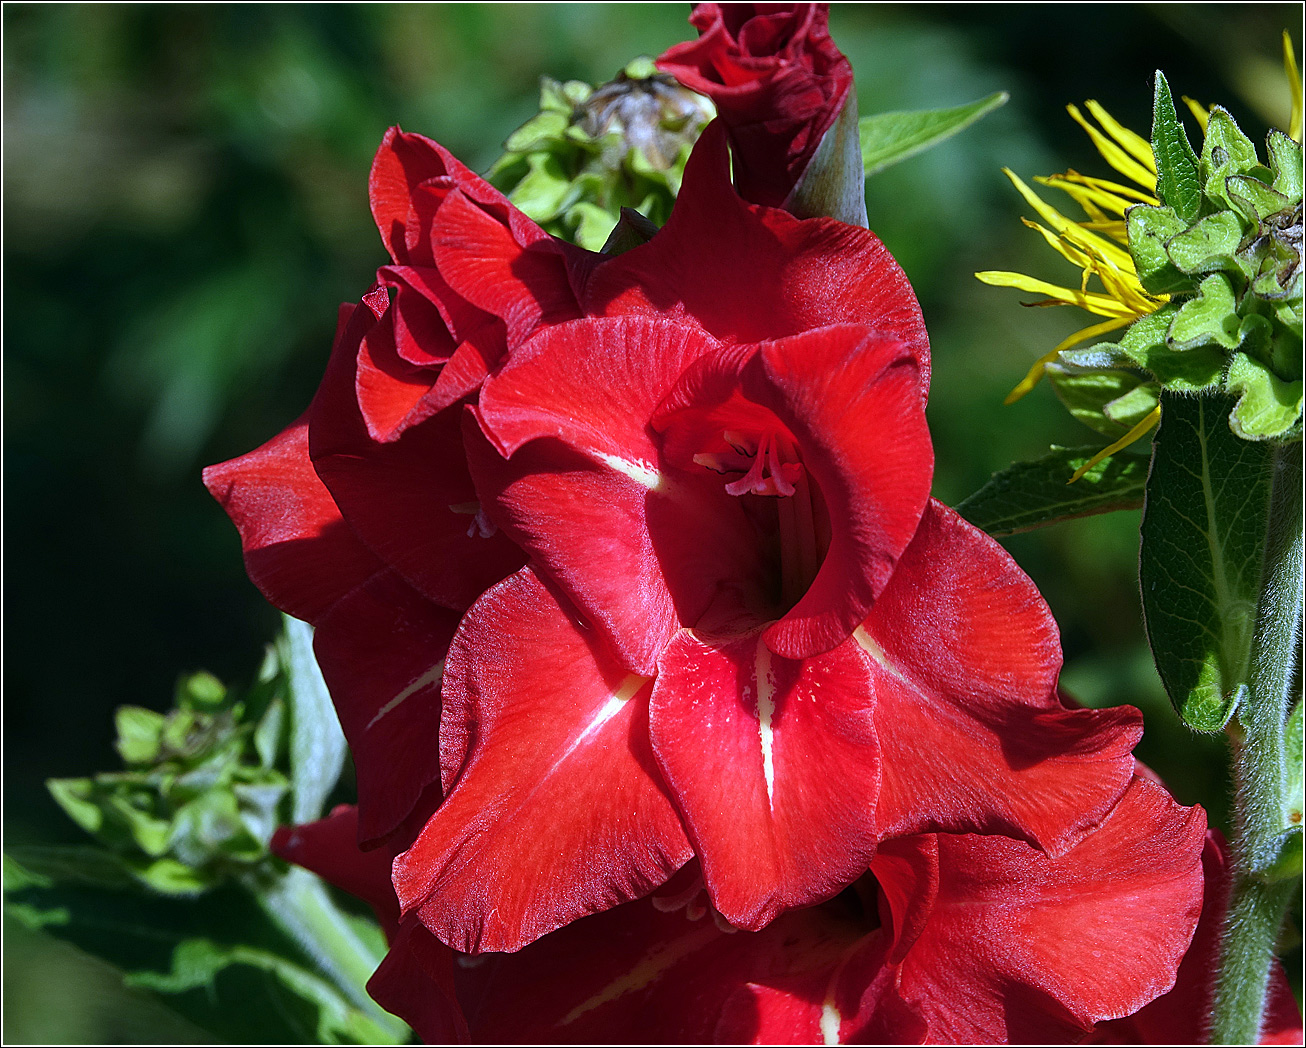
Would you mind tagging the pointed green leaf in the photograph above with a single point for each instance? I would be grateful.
(1212, 316)
(1030, 495)
(1149, 229)
(317, 745)
(888, 138)
(1087, 395)
(1267, 406)
(1177, 181)
(74, 796)
(1203, 531)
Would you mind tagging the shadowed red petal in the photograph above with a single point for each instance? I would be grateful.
(1023, 947)
(554, 808)
(972, 736)
(411, 500)
(639, 547)
(329, 847)
(382, 650)
(638, 974)
(774, 766)
(298, 550)
(749, 274)
(416, 983)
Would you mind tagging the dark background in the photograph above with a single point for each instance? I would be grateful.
(185, 204)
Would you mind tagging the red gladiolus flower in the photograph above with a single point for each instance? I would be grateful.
(778, 81)
(947, 938)
(709, 655)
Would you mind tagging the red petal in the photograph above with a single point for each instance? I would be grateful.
(410, 176)
(522, 279)
(382, 652)
(640, 548)
(410, 500)
(416, 983)
(298, 550)
(553, 806)
(973, 738)
(749, 274)
(1180, 1016)
(1023, 947)
(773, 764)
(329, 847)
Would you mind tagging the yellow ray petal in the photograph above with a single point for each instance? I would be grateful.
(1134, 144)
(1114, 155)
(1294, 86)
(1200, 113)
(1152, 418)
(1102, 305)
(1036, 372)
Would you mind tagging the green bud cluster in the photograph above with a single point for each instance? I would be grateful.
(592, 151)
(1225, 245)
(200, 796)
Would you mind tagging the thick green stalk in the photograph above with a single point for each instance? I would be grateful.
(299, 904)
(1260, 893)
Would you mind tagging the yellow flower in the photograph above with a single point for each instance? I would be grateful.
(1097, 244)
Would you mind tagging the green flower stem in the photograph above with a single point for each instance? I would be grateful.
(1260, 893)
(298, 903)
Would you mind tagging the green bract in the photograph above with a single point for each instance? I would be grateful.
(1226, 246)
(199, 798)
(592, 151)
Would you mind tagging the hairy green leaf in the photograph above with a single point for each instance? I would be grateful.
(1028, 495)
(1267, 406)
(888, 138)
(1203, 531)
(1177, 181)
(1149, 229)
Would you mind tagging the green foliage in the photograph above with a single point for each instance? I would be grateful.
(1203, 533)
(590, 152)
(888, 138)
(223, 962)
(1104, 393)
(198, 801)
(1028, 495)
(184, 895)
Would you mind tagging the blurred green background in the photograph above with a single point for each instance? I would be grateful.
(185, 204)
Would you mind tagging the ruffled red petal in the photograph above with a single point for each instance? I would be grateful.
(554, 808)
(298, 549)
(973, 738)
(774, 766)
